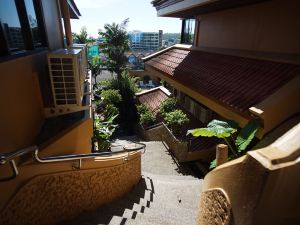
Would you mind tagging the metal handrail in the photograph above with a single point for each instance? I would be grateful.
(85, 156)
(7, 157)
(10, 157)
(80, 157)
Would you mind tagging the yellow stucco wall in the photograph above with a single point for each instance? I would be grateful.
(279, 106)
(76, 140)
(260, 187)
(21, 114)
(52, 192)
(271, 26)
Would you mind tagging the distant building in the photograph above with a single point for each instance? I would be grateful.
(146, 40)
(14, 37)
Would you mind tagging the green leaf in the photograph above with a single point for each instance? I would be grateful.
(247, 134)
(204, 132)
(213, 164)
(216, 128)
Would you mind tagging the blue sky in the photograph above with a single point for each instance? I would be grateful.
(142, 16)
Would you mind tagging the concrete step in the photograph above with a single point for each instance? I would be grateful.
(169, 212)
(151, 218)
(168, 177)
(117, 220)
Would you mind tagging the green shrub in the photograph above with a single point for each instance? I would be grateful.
(111, 96)
(168, 105)
(141, 109)
(103, 131)
(105, 85)
(110, 110)
(175, 120)
(147, 119)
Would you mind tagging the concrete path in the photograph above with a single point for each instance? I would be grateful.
(166, 195)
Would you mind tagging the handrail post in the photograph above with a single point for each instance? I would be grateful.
(221, 154)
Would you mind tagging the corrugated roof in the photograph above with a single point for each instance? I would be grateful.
(236, 82)
(152, 98)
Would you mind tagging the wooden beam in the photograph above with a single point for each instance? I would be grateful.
(67, 22)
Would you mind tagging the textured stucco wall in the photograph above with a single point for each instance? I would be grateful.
(259, 188)
(49, 199)
(215, 208)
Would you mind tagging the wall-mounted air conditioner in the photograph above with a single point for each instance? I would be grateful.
(67, 81)
(84, 56)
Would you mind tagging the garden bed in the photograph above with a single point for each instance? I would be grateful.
(180, 149)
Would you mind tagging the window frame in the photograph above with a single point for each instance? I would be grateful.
(183, 26)
(30, 48)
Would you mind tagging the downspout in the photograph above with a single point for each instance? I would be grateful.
(67, 21)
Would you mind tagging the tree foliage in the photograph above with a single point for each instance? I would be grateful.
(168, 105)
(95, 65)
(82, 37)
(111, 96)
(115, 45)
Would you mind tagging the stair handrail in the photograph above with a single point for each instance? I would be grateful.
(80, 157)
(11, 156)
(74, 157)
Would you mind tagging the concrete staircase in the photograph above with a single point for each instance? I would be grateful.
(164, 196)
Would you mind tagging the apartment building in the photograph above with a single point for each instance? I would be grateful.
(145, 40)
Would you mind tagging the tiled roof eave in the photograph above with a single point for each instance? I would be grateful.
(245, 114)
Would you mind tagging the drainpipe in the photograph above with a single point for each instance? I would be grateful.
(67, 22)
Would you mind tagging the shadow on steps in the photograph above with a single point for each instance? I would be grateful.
(141, 194)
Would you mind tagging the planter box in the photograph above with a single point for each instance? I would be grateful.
(160, 132)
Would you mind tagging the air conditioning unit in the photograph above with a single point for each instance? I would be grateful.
(67, 81)
(84, 57)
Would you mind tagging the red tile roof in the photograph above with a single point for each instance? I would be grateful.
(236, 82)
(152, 98)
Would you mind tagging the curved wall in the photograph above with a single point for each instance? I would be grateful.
(50, 198)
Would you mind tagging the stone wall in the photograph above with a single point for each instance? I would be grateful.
(53, 198)
(160, 132)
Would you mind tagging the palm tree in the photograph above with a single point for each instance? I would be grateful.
(82, 37)
(95, 65)
(115, 45)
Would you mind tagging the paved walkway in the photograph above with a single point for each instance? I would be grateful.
(166, 195)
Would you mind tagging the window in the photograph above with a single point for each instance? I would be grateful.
(11, 27)
(20, 26)
(33, 23)
(188, 31)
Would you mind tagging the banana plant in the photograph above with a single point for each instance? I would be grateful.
(225, 131)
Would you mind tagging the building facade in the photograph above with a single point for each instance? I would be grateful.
(145, 40)
(240, 60)
(38, 138)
